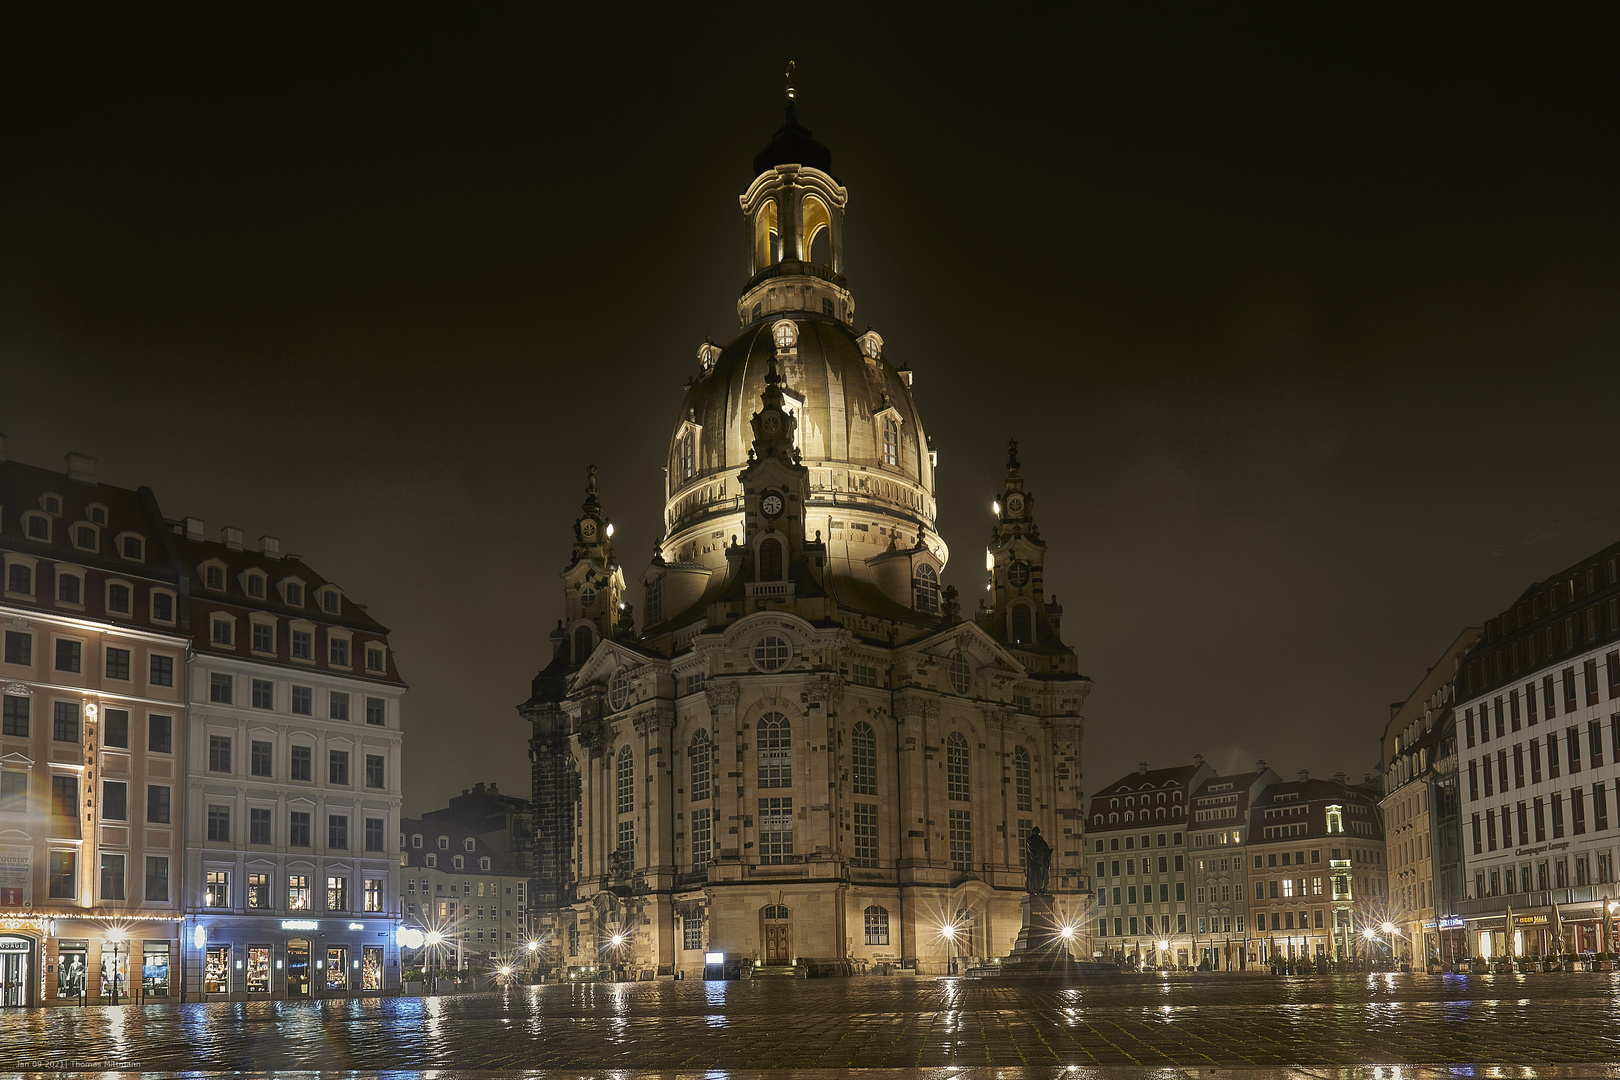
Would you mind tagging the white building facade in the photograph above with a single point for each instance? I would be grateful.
(293, 781)
(1539, 749)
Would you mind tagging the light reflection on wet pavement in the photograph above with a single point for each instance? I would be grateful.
(1207, 1025)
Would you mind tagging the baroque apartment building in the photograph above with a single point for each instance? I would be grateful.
(1316, 866)
(92, 758)
(1539, 744)
(293, 779)
(467, 887)
(1167, 847)
(807, 757)
(1422, 814)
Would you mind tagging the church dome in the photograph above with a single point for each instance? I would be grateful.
(859, 433)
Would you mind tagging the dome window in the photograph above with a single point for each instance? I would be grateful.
(786, 335)
(871, 344)
(708, 353)
(891, 440)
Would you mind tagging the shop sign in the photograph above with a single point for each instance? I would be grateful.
(1529, 920)
(1452, 922)
(15, 945)
(299, 924)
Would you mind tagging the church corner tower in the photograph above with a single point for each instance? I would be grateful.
(806, 758)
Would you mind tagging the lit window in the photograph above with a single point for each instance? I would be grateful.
(927, 590)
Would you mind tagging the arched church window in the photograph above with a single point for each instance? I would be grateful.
(927, 586)
(774, 740)
(655, 600)
(582, 644)
(1022, 777)
(770, 560)
(699, 754)
(863, 754)
(956, 768)
(891, 440)
(960, 672)
(626, 777)
(1020, 624)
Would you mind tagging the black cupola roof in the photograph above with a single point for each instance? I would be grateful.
(793, 144)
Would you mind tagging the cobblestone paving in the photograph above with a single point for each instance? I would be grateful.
(1195, 1022)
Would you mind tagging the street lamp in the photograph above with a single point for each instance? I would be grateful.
(433, 939)
(116, 936)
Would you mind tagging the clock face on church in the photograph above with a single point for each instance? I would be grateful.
(1015, 505)
(1017, 574)
(770, 503)
(773, 422)
(587, 529)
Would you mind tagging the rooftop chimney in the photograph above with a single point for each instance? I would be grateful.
(1304, 775)
(270, 547)
(81, 467)
(194, 528)
(1341, 778)
(232, 536)
(1198, 759)
(1142, 768)
(1260, 765)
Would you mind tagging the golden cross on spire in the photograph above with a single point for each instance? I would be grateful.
(791, 93)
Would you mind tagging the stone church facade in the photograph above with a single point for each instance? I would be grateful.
(806, 757)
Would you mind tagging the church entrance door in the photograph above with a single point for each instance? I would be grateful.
(776, 945)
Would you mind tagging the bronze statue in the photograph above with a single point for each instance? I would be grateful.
(1037, 862)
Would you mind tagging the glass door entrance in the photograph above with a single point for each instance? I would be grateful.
(297, 968)
(13, 978)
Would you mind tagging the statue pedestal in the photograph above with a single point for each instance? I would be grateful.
(1041, 932)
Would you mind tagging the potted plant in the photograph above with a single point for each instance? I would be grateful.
(410, 981)
(1603, 962)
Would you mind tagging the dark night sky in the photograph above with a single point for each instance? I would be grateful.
(1308, 329)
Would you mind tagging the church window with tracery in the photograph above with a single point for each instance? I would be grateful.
(956, 768)
(626, 776)
(655, 600)
(960, 672)
(863, 752)
(927, 589)
(775, 751)
(699, 755)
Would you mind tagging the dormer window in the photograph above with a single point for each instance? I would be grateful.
(214, 577)
(330, 602)
(468, 843)
(376, 659)
(871, 345)
(431, 860)
(52, 504)
(444, 843)
(293, 593)
(132, 547)
(97, 514)
(255, 586)
(86, 537)
(457, 862)
(69, 588)
(786, 335)
(118, 598)
(37, 526)
(483, 863)
(416, 840)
